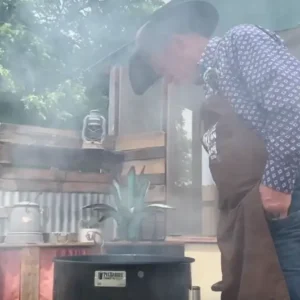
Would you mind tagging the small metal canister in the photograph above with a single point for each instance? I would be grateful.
(195, 293)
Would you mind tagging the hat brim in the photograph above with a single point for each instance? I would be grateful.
(141, 74)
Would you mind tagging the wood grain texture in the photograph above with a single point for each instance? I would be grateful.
(50, 137)
(52, 186)
(114, 95)
(86, 160)
(25, 179)
(152, 166)
(145, 153)
(156, 192)
(157, 179)
(40, 136)
(34, 135)
(30, 268)
(52, 175)
(23, 134)
(140, 141)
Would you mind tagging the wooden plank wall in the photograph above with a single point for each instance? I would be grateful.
(139, 122)
(146, 150)
(24, 147)
(34, 135)
(56, 181)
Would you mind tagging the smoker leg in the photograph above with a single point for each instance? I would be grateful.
(195, 293)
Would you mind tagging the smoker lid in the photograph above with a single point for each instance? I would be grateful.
(123, 259)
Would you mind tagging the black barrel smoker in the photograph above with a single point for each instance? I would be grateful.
(122, 277)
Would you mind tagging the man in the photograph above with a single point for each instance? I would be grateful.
(250, 67)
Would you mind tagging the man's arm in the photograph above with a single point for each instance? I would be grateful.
(266, 80)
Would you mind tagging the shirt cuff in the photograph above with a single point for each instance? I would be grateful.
(279, 176)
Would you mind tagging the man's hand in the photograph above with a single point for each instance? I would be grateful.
(275, 203)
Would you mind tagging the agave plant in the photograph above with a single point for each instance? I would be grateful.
(131, 208)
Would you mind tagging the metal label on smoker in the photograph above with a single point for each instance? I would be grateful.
(110, 279)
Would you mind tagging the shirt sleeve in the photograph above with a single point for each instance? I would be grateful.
(267, 76)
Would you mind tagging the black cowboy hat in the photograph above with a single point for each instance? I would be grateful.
(200, 16)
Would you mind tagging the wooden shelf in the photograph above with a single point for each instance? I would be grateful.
(41, 159)
(54, 187)
(12, 173)
(34, 135)
(72, 159)
(52, 180)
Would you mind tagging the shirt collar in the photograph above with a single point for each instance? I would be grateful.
(208, 57)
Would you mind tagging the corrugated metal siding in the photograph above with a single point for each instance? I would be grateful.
(64, 209)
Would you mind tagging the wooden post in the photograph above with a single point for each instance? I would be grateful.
(30, 273)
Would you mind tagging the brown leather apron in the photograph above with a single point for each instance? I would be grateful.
(250, 266)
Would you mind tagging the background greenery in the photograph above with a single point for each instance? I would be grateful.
(44, 48)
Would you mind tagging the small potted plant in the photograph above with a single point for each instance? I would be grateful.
(131, 208)
(90, 230)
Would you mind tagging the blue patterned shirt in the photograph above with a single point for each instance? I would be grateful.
(261, 80)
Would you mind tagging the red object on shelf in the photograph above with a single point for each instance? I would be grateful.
(10, 263)
(11, 275)
(47, 268)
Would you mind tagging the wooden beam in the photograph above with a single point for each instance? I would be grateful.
(59, 176)
(53, 175)
(52, 186)
(8, 128)
(40, 136)
(156, 192)
(152, 166)
(145, 153)
(89, 160)
(114, 95)
(157, 179)
(140, 141)
(30, 271)
(86, 187)
(34, 135)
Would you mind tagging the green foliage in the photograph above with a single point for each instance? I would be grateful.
(53, 102)
(45, 45)
(131, 208)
